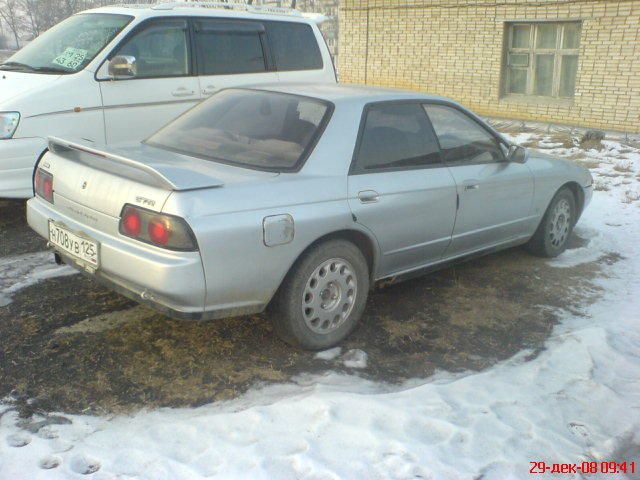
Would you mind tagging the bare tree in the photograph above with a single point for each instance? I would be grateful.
(69, 7)
(12, 16)
(41, 15)
(32, 14)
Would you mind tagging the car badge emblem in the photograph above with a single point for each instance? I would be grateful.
(84, 185)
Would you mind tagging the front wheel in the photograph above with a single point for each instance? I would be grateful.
(323, 297)
(552, 236)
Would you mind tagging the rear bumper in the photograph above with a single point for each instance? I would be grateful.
(132, 292)
(18, 156)
(171, 282)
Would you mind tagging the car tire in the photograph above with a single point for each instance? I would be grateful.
(323, 296)
(553, 233)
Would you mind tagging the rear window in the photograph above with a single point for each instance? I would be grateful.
(294, 46)
(250, 128)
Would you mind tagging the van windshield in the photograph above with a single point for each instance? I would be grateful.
(69, 46)
(249, 128)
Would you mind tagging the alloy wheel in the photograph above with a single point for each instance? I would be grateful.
(560, 223)
(329, 295)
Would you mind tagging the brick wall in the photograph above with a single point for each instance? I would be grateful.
(455, 48)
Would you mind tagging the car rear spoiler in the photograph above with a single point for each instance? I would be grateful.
(178, 175)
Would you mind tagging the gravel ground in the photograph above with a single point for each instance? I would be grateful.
(70, 345)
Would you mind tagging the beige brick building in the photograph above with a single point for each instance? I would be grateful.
(574, 62)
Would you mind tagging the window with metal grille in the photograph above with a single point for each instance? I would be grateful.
(542, 59)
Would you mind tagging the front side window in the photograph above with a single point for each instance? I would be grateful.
(294, 46)
(250, 128)
(396, 135)
(463, 141)
(69, 46)
(160, 49)
(226, 50)
(542, 59)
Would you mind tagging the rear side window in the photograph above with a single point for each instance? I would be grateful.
(230, 48)
(294, 46)
(395, 136)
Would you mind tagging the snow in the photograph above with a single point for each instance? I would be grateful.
(22, 271)
(579, 399)
(598, 244)
(355, 358)
(330, 354)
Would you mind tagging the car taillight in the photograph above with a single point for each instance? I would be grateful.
(43, 185)
(131, 223)
(160, 229)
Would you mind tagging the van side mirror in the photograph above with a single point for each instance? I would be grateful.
(122, 67)
(517, 154)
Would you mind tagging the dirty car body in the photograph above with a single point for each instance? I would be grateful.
(253, 179)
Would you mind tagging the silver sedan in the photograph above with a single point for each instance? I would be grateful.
(299, 197)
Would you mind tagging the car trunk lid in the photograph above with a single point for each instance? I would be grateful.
(104, 179)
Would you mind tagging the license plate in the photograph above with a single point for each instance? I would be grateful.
(80, 247)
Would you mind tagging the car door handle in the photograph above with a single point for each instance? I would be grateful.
(368, 196)
(183, 92)
(209, 90)
(471, 184)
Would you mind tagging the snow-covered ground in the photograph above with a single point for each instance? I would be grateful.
(23, 271)
(579, 399)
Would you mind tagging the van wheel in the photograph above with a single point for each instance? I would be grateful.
(555, 229)
(322, 298)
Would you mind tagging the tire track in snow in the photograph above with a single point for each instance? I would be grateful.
(22, 271)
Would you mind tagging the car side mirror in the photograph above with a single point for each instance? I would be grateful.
(122, 67)
(517, 154)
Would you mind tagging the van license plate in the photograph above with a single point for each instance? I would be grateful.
(78, 246)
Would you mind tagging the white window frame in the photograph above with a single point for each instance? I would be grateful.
(532, 51)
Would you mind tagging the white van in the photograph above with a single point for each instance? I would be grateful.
(117, 74)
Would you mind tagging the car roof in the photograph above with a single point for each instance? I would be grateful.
(210, 10)
(341, 93)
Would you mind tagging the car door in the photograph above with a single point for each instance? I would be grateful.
(399, 187)
(231, 53)
(495, 194)
(163, 87)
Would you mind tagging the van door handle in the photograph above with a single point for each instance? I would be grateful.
(209, 90)
(471, 184)
(183, 92)
(368, 196)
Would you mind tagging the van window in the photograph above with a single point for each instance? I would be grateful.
(160, 49)
(294, 45)
(225, 48)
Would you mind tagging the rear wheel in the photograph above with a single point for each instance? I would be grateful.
(323, 297)
(552, 236)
